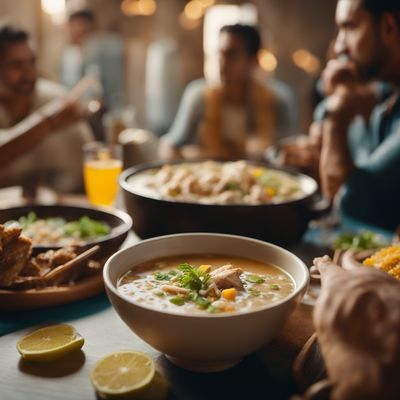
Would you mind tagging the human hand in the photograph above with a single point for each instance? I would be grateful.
(347, 94)
(339, 72)
(354, 316)
(167, 151)
(60, 113)
(304, 152)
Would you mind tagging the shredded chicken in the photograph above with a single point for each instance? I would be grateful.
(211, 291)
(227, 277)
(172, 289)
(213, 182)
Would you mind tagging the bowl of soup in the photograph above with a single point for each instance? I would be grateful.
(238, 197)
(205, 300)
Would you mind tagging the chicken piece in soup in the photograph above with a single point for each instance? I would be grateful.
(212, 182)
(206, 284)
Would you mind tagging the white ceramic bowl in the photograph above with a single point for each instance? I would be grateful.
(209, 342)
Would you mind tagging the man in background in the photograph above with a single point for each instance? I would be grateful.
(359, 137)
(238, 118)
(40, 137)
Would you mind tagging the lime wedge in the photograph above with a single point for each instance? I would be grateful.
(50, 343)
(123, 375)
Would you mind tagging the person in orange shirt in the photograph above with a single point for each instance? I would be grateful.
(238, 118)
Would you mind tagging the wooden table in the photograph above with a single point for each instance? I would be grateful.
(268, 371)
(265, 374)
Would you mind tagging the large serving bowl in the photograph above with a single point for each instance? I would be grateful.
(277, 223)
(209, 342)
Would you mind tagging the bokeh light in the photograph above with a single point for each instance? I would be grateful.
(267, 60)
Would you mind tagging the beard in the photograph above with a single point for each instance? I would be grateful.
(24, 88)
(371, 71)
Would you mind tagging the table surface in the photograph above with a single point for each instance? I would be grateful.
(269, 370)
(266, 372)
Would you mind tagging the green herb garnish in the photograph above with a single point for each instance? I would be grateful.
(232, 185)
(178, 301)
(274, 287)
(268, 178)
(255, 279)
(192, 278)
(212, 310)
(201, 301)
(160, 276)
(254, 292)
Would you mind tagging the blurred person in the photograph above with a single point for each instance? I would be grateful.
(79, 26)
(359, 137)
(40, 136)
(96, 53)
(237, 119)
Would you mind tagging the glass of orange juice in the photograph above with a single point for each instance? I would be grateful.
(102, 165)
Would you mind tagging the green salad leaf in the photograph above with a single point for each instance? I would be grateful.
(87, 228)
(84, 228)
(364, 240)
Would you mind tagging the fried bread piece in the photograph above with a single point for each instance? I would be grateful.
(16, 251)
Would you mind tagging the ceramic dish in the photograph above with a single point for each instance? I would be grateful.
(119, 222)
(85, 287)
(207, 342)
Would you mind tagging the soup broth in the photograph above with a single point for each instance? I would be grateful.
(206, 284)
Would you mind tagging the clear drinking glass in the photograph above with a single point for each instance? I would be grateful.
(102, 165)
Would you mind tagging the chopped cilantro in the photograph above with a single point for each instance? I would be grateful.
(192, 278)
(255, 279)
(212, 310)
(160, 276)
(274, 287)
(232, 185)
(254, 292)
(178, 301)
(202, 302)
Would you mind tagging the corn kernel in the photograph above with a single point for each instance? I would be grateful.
(204, 268)
(271, 192)
(229, 294)
(257, 172)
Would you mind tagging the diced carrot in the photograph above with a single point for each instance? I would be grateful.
(229, 294)
(204, 268)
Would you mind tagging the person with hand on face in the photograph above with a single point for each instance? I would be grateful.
(357, 142)
(238, 118)
(40, 137)
(360, 139)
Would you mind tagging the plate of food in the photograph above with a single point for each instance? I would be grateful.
(60, 225)
(366, 249)
(53, 254)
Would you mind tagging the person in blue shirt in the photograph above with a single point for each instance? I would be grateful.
(358, 140)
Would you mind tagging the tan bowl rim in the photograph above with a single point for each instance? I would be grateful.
(110, 286)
